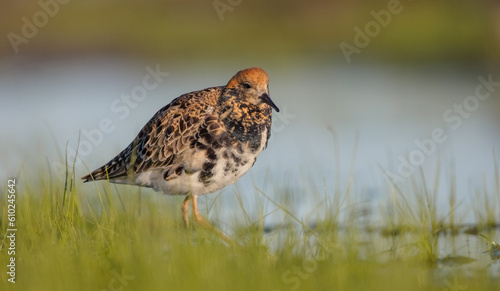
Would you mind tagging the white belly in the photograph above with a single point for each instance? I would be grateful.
(228, 169)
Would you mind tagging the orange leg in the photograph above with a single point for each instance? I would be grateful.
(199, 219)
(185, 210)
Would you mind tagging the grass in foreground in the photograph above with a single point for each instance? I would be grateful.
(84, 238)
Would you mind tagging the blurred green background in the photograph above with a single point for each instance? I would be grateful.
(425, 31)
(60, 75)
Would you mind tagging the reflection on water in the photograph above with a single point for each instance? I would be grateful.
(449, 252)
(405, 117)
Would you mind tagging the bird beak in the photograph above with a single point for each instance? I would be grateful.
(266, 99)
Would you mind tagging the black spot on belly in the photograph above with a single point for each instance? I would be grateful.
(207, 166)
(205, 177)
(254, 145)
(210, 154)
(239, 148)
(216, 144)
(227, 168)
(236, 159)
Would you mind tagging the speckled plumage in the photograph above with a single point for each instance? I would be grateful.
(199, 143)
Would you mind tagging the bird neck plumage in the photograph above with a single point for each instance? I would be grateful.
(243, 120)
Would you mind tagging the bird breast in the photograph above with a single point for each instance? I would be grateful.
(206, 176)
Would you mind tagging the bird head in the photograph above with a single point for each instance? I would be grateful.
(253, 85)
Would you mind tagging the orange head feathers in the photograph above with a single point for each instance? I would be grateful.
(255, 76)
(254, 84)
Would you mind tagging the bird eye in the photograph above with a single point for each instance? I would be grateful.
(247, 85)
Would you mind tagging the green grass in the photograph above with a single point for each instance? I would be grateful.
(74, 236)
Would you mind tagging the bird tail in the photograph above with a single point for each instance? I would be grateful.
(117, 168)
(101, 173)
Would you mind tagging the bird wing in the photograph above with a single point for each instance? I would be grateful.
(189, 121)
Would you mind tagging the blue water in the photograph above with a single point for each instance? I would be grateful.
(45, 104)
